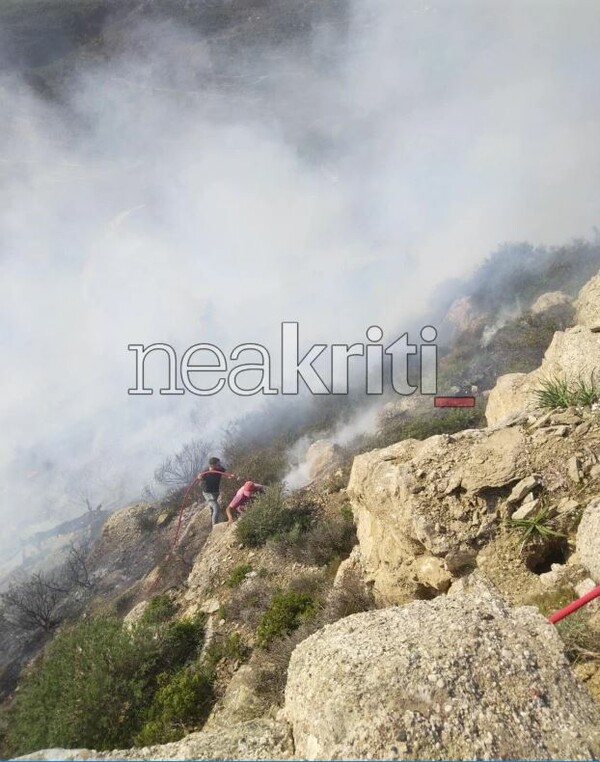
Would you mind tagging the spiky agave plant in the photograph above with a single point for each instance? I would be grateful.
(557, 392)
(586, 393)
(553, 392)
(536, 527)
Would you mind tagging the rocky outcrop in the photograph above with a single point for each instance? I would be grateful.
(463, 315)
(555, 306)
(322, 459)
(419, 503)
(588, 304)
(573, 354)
(427, 510)
(588, 539)
(135, 541)
(462, 677)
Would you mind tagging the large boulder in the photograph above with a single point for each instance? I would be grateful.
(322, 459)
(424, 509)
(588, 539)
(463, 315)
(573, 354)
(555, 306)
(588, 304)
(462, 677)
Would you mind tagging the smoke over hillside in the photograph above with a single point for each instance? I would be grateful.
(181, 180)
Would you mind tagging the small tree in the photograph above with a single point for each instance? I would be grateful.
(31, 604)
(75, 571)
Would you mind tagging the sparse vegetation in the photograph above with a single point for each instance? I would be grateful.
(230, 647)
(555, 392)
(582, 642)
(424, 426)
(238, 575)
(249, 602)
(328, 538)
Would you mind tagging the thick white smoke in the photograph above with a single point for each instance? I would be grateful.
(334, 182)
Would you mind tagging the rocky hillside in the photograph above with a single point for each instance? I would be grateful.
(465, 542)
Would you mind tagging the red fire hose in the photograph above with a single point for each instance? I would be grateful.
(556, 617)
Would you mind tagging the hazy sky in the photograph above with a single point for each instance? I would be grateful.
(335, 182)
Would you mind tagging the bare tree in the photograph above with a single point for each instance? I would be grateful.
(31, 604)
(180, 469)
(76, 571)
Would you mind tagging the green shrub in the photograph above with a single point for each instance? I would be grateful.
(329, 538)
(160, 608)
(238, 575)
(182, 700)
(231, 648)
(94, 684)
(285, 614)
(270, 517)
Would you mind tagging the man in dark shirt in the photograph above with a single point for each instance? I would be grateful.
(211, 483)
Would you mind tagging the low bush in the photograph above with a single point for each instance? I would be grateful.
(238, 575)
(269, 517)
(249, 602)
(285, 614)
(270, 664)
(181, 701)
(231, 648)
(329, 538)
(582, 642)
(160, 608)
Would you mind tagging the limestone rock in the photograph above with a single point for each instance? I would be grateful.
(588, 304)
(322, 459)
(430, 571)
(523, 488)
(136, 613)
(588, 539)
(556, 306)
(211, 606)
(240, 702)
(461, 677)
(527, 510)
(400, 514)
(572, 354)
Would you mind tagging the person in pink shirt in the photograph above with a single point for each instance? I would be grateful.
(242, 497)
